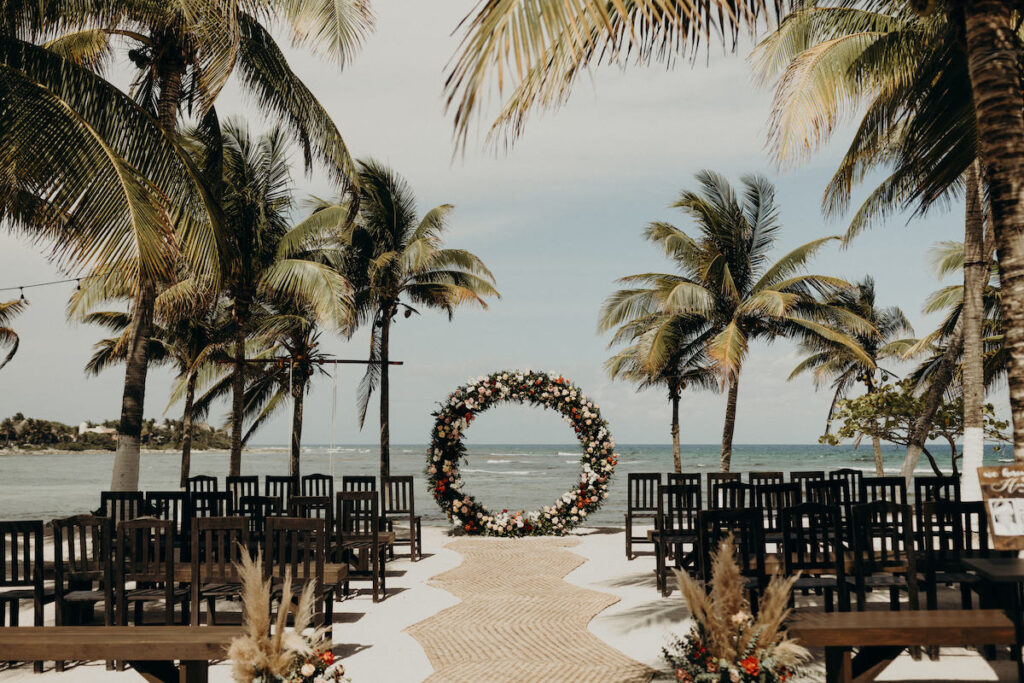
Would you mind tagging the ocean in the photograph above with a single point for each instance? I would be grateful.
(502, 476)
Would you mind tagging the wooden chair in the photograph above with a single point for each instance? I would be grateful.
(245, 485)
(282, 487)
(949, 532)
(714, 478)
(145, 557)
(83, 573)
(121, 505)
(812, 544)
(852, 478)
(773, 499)
(762, 478)
(359, 540)
(312, 507)
(731, 495)
(257, 510)
(641, 504)
(202, 483)
(210, 504)
(175, 507)
(298, 547)
(318, 485)
(358, 482)
(399, 505)
(835, 493)
(217, 545)
(804, 477)
(22, 574)
(746, 528)
(675, 533)
(883, 552)
(888, 489)
(683, 479)
(927, 489)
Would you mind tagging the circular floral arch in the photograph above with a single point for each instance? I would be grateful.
(534, 388)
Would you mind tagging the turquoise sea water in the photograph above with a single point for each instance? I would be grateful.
(501, 476)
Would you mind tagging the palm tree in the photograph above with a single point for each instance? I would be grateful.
(726, 283)
(836, 363)
(8, 337)
(397, 262)
(687, 365)
(184, 57)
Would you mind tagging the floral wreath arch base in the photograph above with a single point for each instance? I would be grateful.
(533, 388)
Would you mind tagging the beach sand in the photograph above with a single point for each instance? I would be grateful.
(372, 639)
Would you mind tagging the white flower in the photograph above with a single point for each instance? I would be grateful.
(307, 669)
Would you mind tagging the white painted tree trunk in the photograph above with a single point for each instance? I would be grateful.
(974, 449)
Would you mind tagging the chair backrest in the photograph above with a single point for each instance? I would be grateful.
(812, 540)
(279, 486)
(889, 489)
(245, 485)
(82, 549)
(21, 554)
(835, 492)
(730, 494)
(717, 478)
(210, 504)
(852, 478)
(774, 498)
(882, 537)
(121, 505)
(358, 482)
(145, 550)
(683, 478)
(678, 508)
(936, 488)
(217, 544)
(950, 531)
(298, 545)
(171, 505)
(397, 495)
(358, 514)
(318, 485)
(312, 507)
(803, 477)
(762, 478)
(746, 527)
(642, 492)
(257, 509)
(202, 483)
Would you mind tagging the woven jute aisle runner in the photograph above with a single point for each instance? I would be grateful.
(518, 620)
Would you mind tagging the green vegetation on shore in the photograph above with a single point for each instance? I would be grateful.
(30, 434)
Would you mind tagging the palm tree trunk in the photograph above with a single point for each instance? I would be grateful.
(238, 389)
(730, 421)
(975, 278)
(385, 421)
(876, 446)
(298, 392)
(676, 455)
(993, 64)
(932, 398)
(186, 431)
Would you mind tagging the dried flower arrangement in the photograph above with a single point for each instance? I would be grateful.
(281, 656)
(726, 643)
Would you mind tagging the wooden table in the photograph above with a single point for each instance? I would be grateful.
(151, 650)
(880, 636)
(1006, 575)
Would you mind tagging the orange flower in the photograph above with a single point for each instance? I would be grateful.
(751, 665)
(327, 657)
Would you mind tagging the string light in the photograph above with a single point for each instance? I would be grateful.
(22, 288)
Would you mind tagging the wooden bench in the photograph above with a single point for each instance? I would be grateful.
(879, 637)
(151, 650)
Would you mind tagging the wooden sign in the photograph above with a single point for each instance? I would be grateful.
(1002, 489)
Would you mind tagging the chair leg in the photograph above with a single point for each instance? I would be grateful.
(894, 598)
(629, 538)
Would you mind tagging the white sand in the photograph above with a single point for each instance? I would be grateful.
(375, 648)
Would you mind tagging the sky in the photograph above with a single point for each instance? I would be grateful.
(557, 219)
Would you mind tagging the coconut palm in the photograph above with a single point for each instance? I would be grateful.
(397, 263)
(836, 364)
(8, 337)
(726, 282)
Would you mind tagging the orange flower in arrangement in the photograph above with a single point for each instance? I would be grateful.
(751, 666)
(327, 657)
(683, 676)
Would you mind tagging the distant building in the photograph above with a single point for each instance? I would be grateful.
(84, 428)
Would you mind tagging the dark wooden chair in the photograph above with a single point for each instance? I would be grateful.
(279, 486)
(731, 495)
(245, 485)
(812, 544)
(746, 528)
(927, 489)
(400, 506)
(202, 483)
(22, 573)
(312, 507)
(358, 482)
(217, 546)
(145, 558)
(888, 489)
(714, 478)
(83, 572)
(683, 479)
(835, 493)
(883, 552)
(852, 478)
(121, 505)
(641, 504)
(804, 477)
(762, 478)
(675, 532)
(318, 485)
(298, 547)
(174, 506)
(359, 540)
(950, 531)
(257, 510)
(210, 504)
(773, 499)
